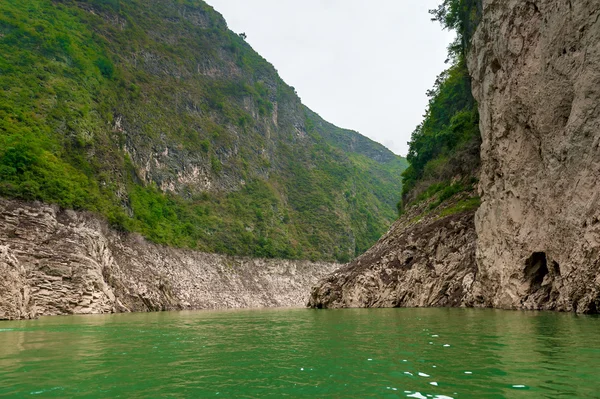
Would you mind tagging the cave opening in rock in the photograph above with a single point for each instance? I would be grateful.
(536, 268)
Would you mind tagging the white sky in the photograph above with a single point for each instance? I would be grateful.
(364, 65)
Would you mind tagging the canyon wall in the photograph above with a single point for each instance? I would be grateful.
(56, 262)
(536, 76)
(534, 243)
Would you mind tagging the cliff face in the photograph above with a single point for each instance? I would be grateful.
(55, 262)
(534, 243)
(536, 76)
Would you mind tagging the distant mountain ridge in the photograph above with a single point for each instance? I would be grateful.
(156, 116)
(351, 141)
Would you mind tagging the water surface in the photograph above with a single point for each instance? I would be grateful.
(383, 353)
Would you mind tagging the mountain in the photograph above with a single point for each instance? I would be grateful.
(501, 206)
(157, 117)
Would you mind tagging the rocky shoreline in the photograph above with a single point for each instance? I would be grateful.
(59, 262)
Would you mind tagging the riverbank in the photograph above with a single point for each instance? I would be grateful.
(58, 262)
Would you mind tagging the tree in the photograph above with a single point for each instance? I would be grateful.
(461, 16)
(450, 125)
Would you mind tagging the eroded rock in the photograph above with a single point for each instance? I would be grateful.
(424, 260)
(64, 262)
(536, 76)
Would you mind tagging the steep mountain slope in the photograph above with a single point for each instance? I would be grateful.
(427, 258)
(533, 239)
(156, 116)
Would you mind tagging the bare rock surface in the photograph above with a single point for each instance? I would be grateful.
(536, 76)
(424, 260)
(56, 262)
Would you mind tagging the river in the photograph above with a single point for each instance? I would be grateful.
(350, 353)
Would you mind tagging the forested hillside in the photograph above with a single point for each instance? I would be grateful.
(156, 116)
(444, 149)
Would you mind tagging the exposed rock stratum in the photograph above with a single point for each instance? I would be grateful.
(56, 262)
(426, 259)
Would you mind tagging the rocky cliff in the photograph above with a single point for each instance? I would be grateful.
(534, 243)
(536, 76)
(426, 259)
(56, 262)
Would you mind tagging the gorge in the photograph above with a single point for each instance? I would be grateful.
(534, 243)
(203, 233)
(150, 159)
(153, 161)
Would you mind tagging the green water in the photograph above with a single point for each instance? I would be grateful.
(384, 353)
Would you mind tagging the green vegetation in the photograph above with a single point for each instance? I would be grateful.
(462, 206)
(446, 190)
(462, 16)
(446, 144)
(128, 108)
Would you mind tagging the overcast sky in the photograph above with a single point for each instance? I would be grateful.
(364, 65)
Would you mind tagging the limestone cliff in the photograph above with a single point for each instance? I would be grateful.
(55, 262)
(536, 76)
(534, 243)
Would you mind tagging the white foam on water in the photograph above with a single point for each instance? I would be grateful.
(46, 390)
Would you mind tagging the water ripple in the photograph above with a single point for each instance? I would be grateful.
(304, 353)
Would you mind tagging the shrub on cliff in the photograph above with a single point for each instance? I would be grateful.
(446, 144)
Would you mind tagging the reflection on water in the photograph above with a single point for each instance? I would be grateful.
(416, 353)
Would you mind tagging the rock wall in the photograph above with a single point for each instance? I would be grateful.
(425, 259)
(55, 262)
(536, 76)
